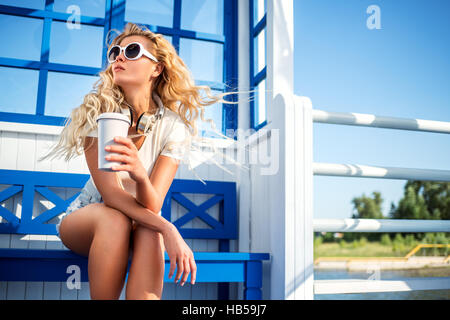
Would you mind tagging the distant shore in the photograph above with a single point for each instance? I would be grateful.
(374, 255)
(381, 263)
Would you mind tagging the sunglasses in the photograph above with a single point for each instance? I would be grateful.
(132, 51)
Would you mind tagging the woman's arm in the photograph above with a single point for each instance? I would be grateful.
(147, 196)
(126, 203)
(151, 192)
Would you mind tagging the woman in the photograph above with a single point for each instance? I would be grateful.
(118, 214)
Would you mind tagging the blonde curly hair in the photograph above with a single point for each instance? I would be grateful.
(175, 86)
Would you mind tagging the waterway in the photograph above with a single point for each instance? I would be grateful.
(330, 274)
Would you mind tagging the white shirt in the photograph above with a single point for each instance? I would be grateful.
(170, 137)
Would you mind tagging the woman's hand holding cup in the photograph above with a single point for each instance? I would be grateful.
(127, 154)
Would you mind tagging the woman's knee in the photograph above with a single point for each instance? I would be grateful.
(143, 236)
(141, 232)
(112, 221)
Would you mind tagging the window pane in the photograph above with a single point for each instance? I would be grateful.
(213, 112)
(31, 4)
(66, 91)
(202, 16)
(259, 52)
(18, 90)
(168, 38)
(24, 37)
(259, 9)
(92, 8)
(81, 47)
(260, 102)
(155, 12)
(203, 58)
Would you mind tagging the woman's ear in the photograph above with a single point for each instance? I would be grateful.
(158, 69)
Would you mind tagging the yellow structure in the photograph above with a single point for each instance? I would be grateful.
(405, 258)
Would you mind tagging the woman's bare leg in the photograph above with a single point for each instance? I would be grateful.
(146, 274)
(102, 234)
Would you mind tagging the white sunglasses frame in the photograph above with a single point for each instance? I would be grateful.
(142, 51)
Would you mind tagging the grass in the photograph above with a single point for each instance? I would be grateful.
(368, 249)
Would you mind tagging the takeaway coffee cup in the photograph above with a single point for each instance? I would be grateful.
(110, 125)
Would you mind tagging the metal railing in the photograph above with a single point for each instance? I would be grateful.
(380, 225)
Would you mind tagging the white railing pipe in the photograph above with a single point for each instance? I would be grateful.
(380, 225)
(364, 171)
(370, 120)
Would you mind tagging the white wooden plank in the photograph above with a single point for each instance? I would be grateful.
(8, 151)
(5, 240)
(34, 290)
(183, 292)
(52, 290)
(199, 291)
(15, 290)
(84, 293)
(30, 128)
(78, 165)
(37, 241)
(26, 143)
(68, 294)
(168, 291)
(54, 243)
(59, 164)
(3, 289)
(42, 143)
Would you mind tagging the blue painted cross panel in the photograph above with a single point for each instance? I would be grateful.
(224, 194)
(27, 182)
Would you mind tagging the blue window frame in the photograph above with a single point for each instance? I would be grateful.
(56, 33)
(258, 65)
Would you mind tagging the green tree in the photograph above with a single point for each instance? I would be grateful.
(368, 208)
(365, 207)
(423, 200)
(427, 200)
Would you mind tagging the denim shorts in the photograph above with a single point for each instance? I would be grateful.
(88, 195)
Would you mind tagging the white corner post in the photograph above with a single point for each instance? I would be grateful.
(290, 189)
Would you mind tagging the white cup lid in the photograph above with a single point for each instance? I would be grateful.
(114, 115)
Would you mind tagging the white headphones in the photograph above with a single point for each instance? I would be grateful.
(146, 120)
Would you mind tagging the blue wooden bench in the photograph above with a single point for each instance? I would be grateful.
(222, 266)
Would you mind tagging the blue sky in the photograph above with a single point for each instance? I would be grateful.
(400, 70)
